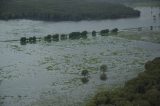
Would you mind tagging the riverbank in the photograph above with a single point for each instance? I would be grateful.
(62, 10)
(144, 4)
(143, 90)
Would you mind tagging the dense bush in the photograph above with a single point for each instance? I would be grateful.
(63, 37)
(23, 41)
(103, 68)
(115, 30)
(143, 90)
(58, 10)
(84, 72)
(84, 34)
(55, 37)
(75, 35)
(48, 38)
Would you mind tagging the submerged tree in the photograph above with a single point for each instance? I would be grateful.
(74, 35)
(84, 34)
(63, 37)
(115, 30)
(104, 32)
(85, 73)
(32, 40)
(103, 68)
(23, 40)
(55, 37)
(94, 33)
(48, 38)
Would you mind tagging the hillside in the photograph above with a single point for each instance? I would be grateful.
(144, 90)
(53, 10)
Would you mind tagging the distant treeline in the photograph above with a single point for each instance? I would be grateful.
(125, 1)
(63, 10)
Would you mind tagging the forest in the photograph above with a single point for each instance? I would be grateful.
(63, 10)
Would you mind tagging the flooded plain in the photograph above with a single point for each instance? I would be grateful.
(50, 73)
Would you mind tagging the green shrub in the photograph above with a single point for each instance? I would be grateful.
(144, 90)
(74, 35)
(115, 30)
(103, 68)
(23, 40)
(140, 103)
(153, 96)
(104, 32)
(84, 72)
(55, 37)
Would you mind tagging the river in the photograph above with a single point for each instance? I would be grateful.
(49, 74)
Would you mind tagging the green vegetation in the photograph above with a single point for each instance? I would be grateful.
(115, 30)
(85, 78)
(60, 10)
(143, 90)
(104, 32)
(103, 68)
(31, 40)
(75, 35)
(63, 37)
(57, 37)
(84, 34)
(84, 72)
(94, 33)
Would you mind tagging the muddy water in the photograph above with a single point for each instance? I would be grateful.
(50, 73)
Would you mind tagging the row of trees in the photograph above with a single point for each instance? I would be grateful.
(59, 10)
(72, 36)
(106, 31)
(78, 35)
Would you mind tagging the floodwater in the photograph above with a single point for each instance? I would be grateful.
(49, 74)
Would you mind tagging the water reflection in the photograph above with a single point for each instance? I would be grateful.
(84, 80)
(103, 76)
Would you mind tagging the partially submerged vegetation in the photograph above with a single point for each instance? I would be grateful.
(144, 35)
(63, 10)
(71, 36)
(143, 90)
